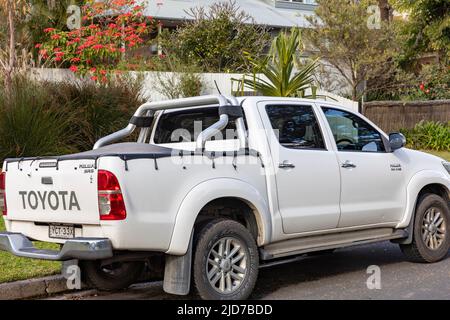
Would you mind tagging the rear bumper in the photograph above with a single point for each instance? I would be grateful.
(77, 248)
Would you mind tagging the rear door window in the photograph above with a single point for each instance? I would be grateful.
(296, 126)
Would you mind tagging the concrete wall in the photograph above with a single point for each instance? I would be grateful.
(224, 82)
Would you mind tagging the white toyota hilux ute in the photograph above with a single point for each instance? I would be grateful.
(216, 187)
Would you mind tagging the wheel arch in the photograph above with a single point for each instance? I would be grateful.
(435, 188)
(208, 192)
(423, 182)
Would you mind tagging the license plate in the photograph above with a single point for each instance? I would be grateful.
(61, 232)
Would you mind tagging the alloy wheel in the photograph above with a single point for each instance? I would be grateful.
(434, 228)
(226, 266)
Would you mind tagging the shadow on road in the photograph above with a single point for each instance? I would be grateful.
(314, 268)
(291, 279)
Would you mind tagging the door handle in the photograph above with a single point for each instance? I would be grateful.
(348, 165)
(286, 165)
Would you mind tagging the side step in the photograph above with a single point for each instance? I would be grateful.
(328, 241)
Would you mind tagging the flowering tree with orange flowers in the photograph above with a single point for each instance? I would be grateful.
(109, 29)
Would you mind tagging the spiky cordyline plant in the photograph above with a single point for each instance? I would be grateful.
(284, 75)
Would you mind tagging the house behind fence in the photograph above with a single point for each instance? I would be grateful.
(391, 116)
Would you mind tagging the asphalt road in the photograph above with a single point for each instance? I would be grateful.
(341, 275)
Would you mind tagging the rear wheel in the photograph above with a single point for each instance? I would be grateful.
(226, 261)
(431, 239)
(114, 276)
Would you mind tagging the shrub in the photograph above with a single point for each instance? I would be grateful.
(190, 85)
(100, 108)
(183, 81)
(110, 29)
(48, 118)
(178, 85)
(431, 83)
(286, 75)
(216, 38)
(428, 135)
(31, 124)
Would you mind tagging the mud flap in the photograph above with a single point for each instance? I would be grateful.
(409, 229)
(177, 272)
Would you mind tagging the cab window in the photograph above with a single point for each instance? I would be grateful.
(296, 126)
(352, 133)
(185, 125)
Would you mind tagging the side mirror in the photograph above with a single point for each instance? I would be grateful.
(397, 141)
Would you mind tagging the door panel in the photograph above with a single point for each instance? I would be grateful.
(307, 176)
(308, 194)
(372, 180)
(372, 192)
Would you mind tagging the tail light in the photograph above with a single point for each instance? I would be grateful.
(110, 199)
(3, 193)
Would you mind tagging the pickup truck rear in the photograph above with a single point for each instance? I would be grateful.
(215, 187)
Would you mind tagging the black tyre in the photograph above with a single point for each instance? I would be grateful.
(226, 261)
(431, 239)
(115, 276)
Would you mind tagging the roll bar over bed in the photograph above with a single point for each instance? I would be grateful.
(228, 108)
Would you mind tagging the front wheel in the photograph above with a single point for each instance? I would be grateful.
(431, 239)
(226, 261)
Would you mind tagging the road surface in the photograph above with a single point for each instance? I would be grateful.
(341, 275)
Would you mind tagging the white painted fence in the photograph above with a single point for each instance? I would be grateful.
(223, 80)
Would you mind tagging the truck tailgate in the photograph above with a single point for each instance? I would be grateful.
(52, 192)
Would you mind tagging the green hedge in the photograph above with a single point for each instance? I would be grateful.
(428, 135)
(48, 118)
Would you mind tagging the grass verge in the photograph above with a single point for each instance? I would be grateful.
(13, 268)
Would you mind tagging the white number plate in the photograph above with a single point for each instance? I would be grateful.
(61, 232)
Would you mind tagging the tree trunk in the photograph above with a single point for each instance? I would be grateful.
(385, 9)
(355, 93)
